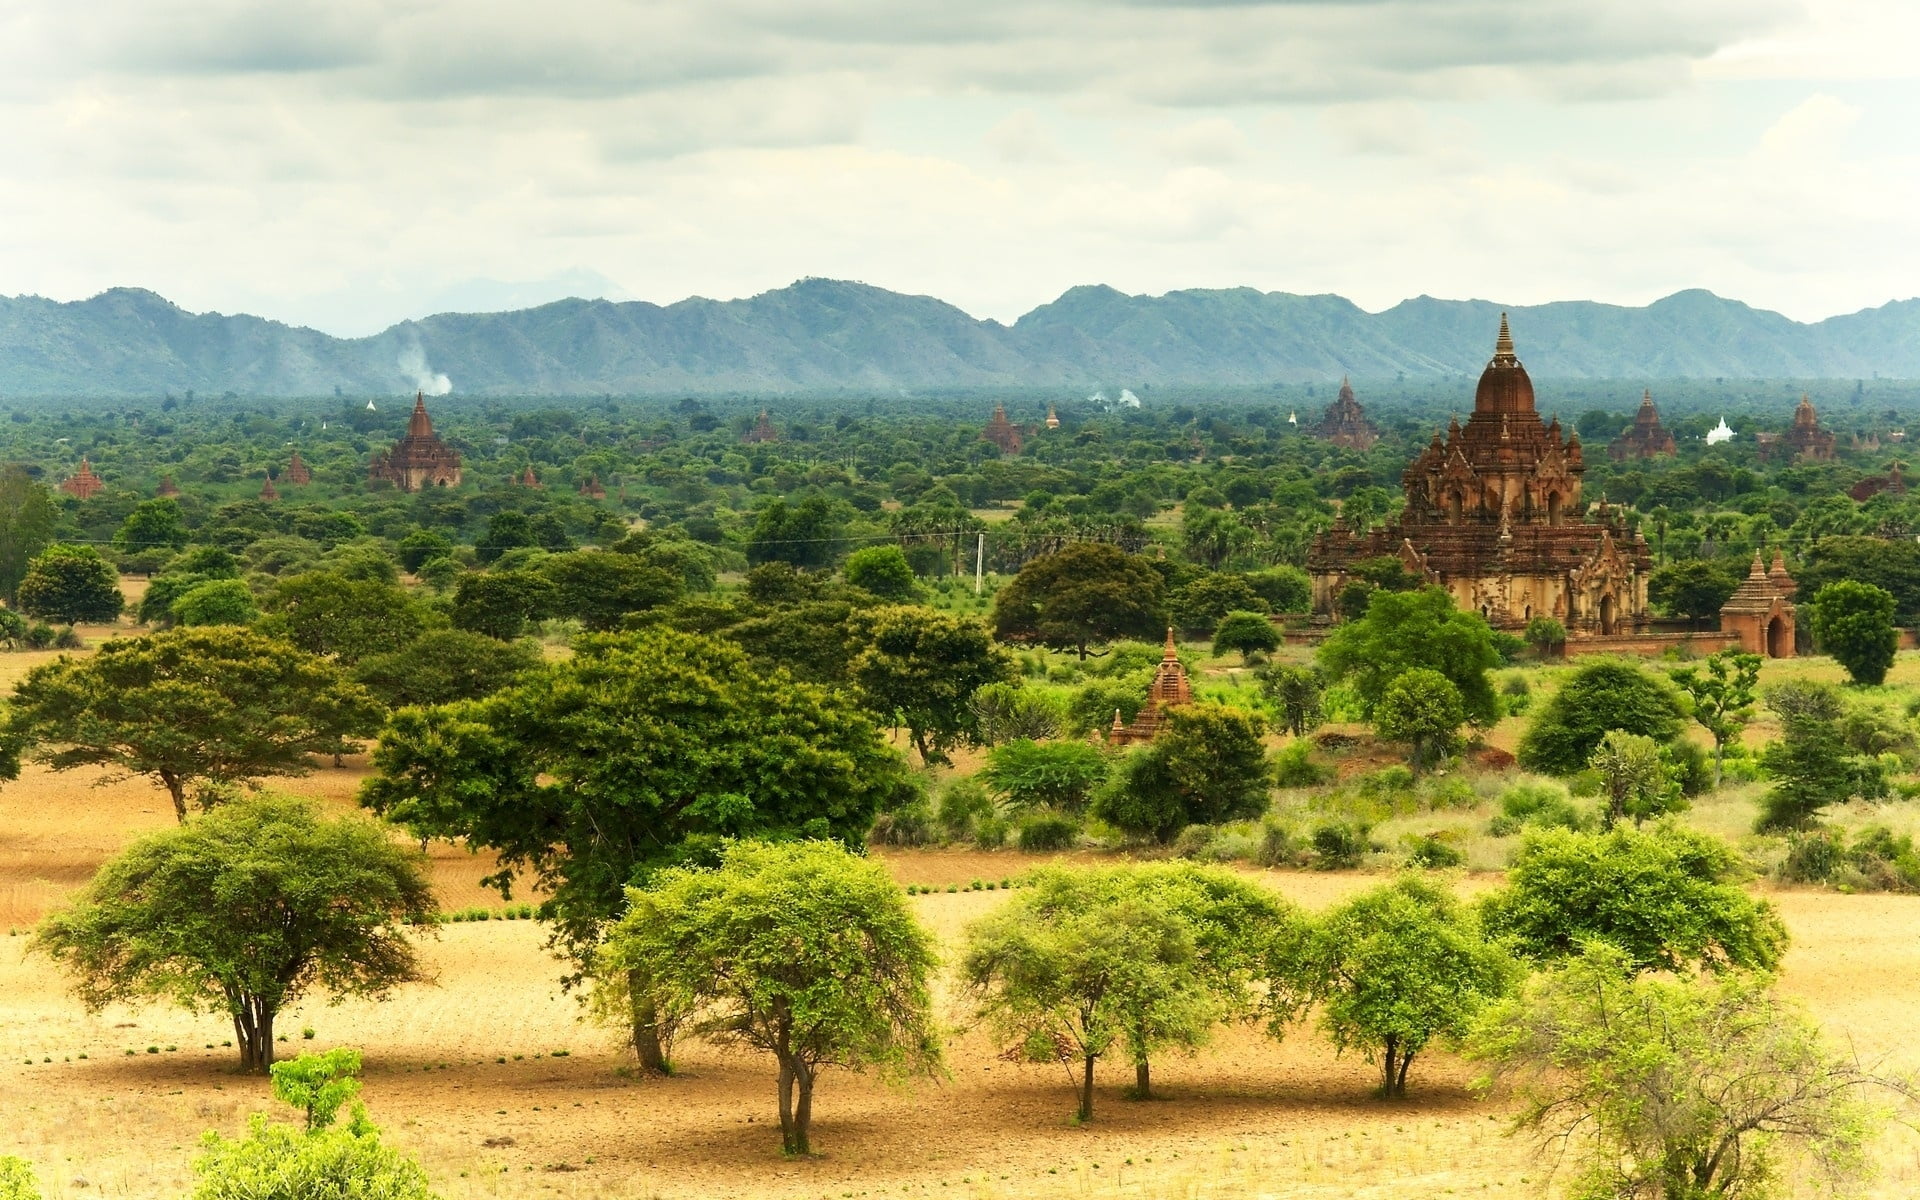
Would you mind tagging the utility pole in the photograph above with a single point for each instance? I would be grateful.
(980, 564)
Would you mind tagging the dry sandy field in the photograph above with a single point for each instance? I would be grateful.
(464, 1073)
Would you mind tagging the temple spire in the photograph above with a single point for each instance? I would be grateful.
(419, 424)
(1171, 654)
(1503, 345)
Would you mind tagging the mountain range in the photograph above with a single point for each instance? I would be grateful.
(823, 334)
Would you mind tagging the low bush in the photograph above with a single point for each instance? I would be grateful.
(1340, 845)
(1294, 766)
(962, 803)
(1433, 851)
(1044, 832)
(1874, 860)
(990, 832)
(1540, 805)
(16, 1180)
(909, 825)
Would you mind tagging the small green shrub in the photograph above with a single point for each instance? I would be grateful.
(1277, 846)
(990, 833)
(1294, 766)
(1541, 805)
(67, 639)
(1432, 851)
(1340, 845)
(1814, 855)
(910, 824)
(1043, 832)
(963, 802)
(39, 636)
(16, 1180)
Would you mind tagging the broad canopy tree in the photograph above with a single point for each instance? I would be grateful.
(920, 670)
(69, 584)
(640, 752)
(1403, 631)
(245, 911)
(1610, 693)
(1086, 594)
(217, 705)
(799, 949)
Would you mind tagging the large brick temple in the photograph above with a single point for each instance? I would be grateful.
(1494, 515)
(418, 460)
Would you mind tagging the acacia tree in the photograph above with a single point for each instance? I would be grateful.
(1402, 631)
(921, 668)
(1723, 698)
(1668, 898)
(1078, 963)
(1056, 775)
(1853, 621)
(799, 949)
(1635, 778)
(245, 911)
(1208, 766)
(1085, 594)
(344, 619)
(216, 705)
(27, 521)
(68, 584)
(1394, 969)
(641, 751)
(1677, 1088)
(1812, 765)
(1609, 693)
(1296, 692)
(1423, 709)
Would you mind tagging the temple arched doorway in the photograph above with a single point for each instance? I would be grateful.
(1608, 616)
(1779, 644)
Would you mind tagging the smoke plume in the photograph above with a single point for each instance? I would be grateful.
(413, 365)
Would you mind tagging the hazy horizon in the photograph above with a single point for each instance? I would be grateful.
(351, 163)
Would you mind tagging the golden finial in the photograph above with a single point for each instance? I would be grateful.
(1503, 346)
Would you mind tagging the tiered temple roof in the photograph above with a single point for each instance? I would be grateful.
(420, 459)
(83, 484)
(1760, 612)
(1170, 689)
(592, 489)
(167, 487)
(1345, 422)
(267, 491)
(762, 431)
(1002, 432)
(529, 480)
(1645, 438)
(1804, 439)
(297, 473)
(1494, 515)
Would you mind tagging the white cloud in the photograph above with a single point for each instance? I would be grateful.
(1214, 141)
(1810, 129)
(1020, 138)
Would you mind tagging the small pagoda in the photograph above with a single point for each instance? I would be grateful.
(1053, 418)
(1170, 689)
(1893, 481)
(762, 431)
(592, 489)
(528, 479)
(418, 460)
(167, 489)
(1002, 432)
(83, 484)
(1645, 438)
(1804, 440)
(269, 493)
(1345, 423)
(297, 473)
(1760, 612)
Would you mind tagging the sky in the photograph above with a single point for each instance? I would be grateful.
(351, 163)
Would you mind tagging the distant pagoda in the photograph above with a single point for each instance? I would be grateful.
(269, 493)
(1645, 438)
(1345, 423)
(167, 488)
(529, 480)
(592, 489)
(1804, 440)
(762, 431)
(418, 460)
(1170, 689)
(83, 484)
(1002, 432)
(1053, 418)
(297, 473)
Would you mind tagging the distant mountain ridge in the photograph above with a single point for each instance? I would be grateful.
(828, 334)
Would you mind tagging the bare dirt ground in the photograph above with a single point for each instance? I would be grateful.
(120, 1100)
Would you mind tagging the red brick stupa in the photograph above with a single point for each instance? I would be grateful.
(83, 484)
(592, 489)
(762, 431)
(167, 488)
(1345, 423)
(1002, 432)
(418, 460)
(269, 493)
(1170, 689)
(297, 473)
(1804, 440)
(1645, 438)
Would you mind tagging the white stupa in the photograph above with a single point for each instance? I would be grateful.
(1293, 418)
(370, 407)
(1719, 433)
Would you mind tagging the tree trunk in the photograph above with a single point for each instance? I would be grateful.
(253, 1031)
(1143, 1080)
(176, 788)
(1400, 1080)
(1719, 760)
(1086, 1090)
(786, 1105)
(804, 1076)
(646, 1025)
(1389, 1062)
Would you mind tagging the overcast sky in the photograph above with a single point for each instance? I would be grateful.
(347, 163)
